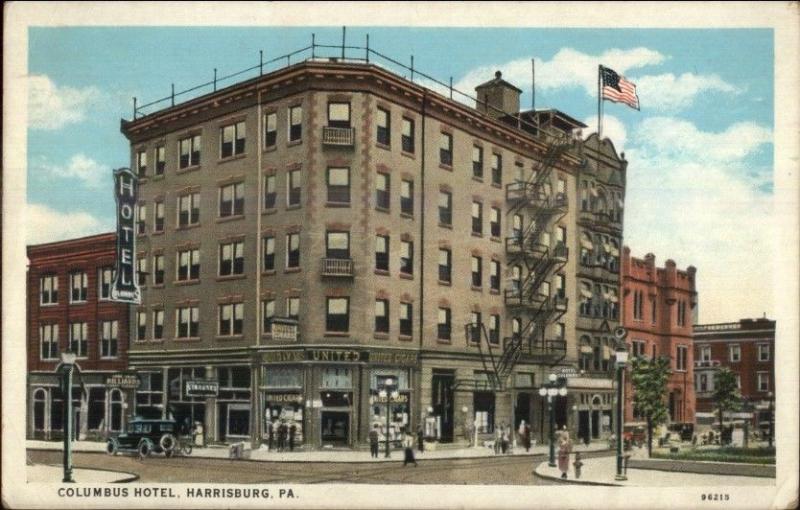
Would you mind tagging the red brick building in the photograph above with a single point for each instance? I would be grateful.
(69, 308)
(658, 309)
(747, 348)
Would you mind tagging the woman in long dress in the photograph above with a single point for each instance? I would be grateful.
(408, 447)
(564, 449)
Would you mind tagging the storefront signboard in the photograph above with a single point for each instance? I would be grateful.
(277, 398)
(125, 288)
(284, 329)
(387, 358)
(124, 381)
(202, 388)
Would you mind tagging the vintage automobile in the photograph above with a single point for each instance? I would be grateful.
(144, 437)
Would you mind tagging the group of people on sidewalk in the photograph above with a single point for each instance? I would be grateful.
(406, 439)
(503, 434)
(281, 435)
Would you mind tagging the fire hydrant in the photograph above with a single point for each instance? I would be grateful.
(577, 465)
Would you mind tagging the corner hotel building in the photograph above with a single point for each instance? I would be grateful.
(383, 217)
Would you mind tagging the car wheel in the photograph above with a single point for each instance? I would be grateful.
(112, 447)
(145, 448)
(167, 442)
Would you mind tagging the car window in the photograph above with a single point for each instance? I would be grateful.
(147, 428)
(167, 427)
(137, 428)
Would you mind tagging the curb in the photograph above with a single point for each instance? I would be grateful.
(132, 478)
(573, 481)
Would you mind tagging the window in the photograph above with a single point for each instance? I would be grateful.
(337, 245)
(443, 330)
(108, 339)
(406, 315)
(382, 253)
(734, 353)
(188, 265)
(446, 149)
(681, 313)
(638, 297)
(158, 216)
(187, 322)
(233, 140)
(681, 358)
(494, 222)
(48, 338)
(475, 321)
(48, 290)
(653, 307)
(407, 197)
(494, 275)
(79, 338)
(516, 326)
(231, 258)
(141, 163)
(381, 316)
(477, 271)
(231, 200)
(141, 219)
(587, 246)
(738, 381)
(337, 318)
(189, 209)
(763, 381)
(158, 324)
(477, 162)
(763, 352)
(445, 265)
(586, 299)
(105, 279)
(78, 284)
(161, 160)
(295, 123)
(445, 208)
(407, 257)
(292, 250)
(231, 319)
(516, 227)
(516, 280)
(189, 149)
(270, 129)
(407, 137)
(141, 270)
(637, 348)
(382, 191)
(561, 235)
(477, 218)
(339, 185)
(703, 382)
(561, 284)
(497, 169)
(141, 326)
(339, 115)
(494, 329)
(705, 353)
(384, 127)
(267, 314)
(158, 269)
(268, 244)
(270, 193)
(293, 187)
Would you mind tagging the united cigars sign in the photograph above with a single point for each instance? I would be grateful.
(125, 288)
(393, 358)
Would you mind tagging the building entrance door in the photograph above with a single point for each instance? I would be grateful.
(595, 424)
(442, 385)
(335, 428)
(583, 425)
(238, 421)
(522, 411)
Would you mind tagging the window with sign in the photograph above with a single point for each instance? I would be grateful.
(336, 378)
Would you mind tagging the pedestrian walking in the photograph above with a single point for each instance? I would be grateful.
(578, 464)
(504, 438)
(292, 432)
(271, 426)
(282, 433)
(564, 449)
(408, 445)
(526, 436)
(420, 439)
(374, 438)
(498, 439)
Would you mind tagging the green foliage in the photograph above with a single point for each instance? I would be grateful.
(726, 396)
(649, 379)
(745, 455)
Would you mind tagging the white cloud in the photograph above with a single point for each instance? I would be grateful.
(670, 92)
(53, 107)
(613, 128)
(80, 167)
(690, 197)
(44, 224)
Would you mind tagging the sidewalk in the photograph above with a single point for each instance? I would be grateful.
(50, 474)
(264, 455)
(601, 471)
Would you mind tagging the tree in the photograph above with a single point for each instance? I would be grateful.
(649, 379)
(726, 396)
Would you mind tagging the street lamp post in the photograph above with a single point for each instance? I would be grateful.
(66, 368)
(389, 392)
(550, 390)
(622, 359)
(771, 417)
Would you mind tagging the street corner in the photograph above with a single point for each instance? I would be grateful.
(38, 473)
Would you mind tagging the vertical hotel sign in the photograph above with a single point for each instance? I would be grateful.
(125, 288)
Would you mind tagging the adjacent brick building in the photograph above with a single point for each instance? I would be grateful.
(658, 311)
(69, 309)
(384, 217)
(747, 348)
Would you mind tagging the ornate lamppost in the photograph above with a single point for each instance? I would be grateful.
(621, 360)
(388, 392)
(66, 368)
(553, 388)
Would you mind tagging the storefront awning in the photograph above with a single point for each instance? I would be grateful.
(585, 243)
(586, 293)
(586, 349)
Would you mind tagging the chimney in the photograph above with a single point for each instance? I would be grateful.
(497, 97)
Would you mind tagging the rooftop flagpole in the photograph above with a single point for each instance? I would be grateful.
(600, 102)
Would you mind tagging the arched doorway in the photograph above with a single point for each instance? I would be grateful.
(39, 406)
(115, 410)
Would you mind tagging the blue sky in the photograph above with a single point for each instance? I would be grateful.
(700, 149)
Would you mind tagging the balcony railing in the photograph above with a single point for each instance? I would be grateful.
(341, 137)
(337, 267)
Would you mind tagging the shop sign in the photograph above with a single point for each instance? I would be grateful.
(283, 356)
(202, 388)
(335, 355)
(392, 358)
(568, 372)
(125, 288)
(277, 398)
(400, 399)
(388, 358)
(124, 381)
(284, 329)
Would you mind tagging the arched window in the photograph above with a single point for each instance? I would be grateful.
(39, 403)
(115, 422)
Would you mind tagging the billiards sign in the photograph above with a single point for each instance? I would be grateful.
(125, 288)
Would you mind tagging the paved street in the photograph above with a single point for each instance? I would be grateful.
(509, 470)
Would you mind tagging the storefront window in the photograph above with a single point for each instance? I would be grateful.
(234, 402)
(399, 407)
(150, 394)
(336, 377)
(184, 409)
(483, 403)
(96, 408)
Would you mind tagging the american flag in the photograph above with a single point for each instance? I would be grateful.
(617, 89)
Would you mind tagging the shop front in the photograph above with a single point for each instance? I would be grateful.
(283, 404)
(397, 406)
